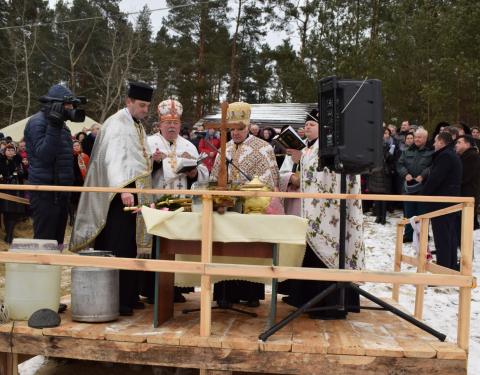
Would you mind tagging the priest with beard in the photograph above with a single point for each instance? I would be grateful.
(254, 157)
(120, 158)
(169, 149)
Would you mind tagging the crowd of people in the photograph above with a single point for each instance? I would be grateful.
(120, 154)
(444, 164)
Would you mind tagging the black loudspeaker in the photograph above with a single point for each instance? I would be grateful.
(351, 125)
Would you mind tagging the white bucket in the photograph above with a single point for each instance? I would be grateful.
(31, 287)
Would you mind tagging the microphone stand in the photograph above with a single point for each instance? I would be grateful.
(229, 161)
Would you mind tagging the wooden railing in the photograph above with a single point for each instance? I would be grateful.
(436, 275)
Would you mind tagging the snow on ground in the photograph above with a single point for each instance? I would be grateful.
(441, 304)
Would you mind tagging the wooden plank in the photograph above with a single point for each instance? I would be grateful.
(228, 359)
(422, 260)
(165, 287)
(447, 350)
(376, 340)
(397, 265)
(8, 364)
(371, 197)
(309, 336)
(430, 267)
(437, 213)
(336, 275)
(244, 270)
(206, 257)
(464, 303)
(135, 264)
(170, 332)
(6, 327)
(342, 340)
(243, 333)
(221, 323)
(135, 329)
(66, 327)
(21, 326)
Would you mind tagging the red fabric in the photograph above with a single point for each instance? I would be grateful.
(206, 148)
(83, 161)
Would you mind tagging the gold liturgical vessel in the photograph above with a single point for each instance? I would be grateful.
(255, 205)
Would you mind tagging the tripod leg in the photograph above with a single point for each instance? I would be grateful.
(264, 336)
(399, 313)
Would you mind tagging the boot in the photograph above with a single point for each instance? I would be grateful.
(9, 228)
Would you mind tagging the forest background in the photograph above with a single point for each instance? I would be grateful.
(426, 53)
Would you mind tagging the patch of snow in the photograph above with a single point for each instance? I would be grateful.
(441, 303)
(31, 366)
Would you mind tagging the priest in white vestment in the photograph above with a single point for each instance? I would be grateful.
(120, 158)
(172, 149)
(169, 150)
(250, 156)
(323, 217)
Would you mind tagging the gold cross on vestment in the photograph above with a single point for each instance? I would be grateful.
(223, 127)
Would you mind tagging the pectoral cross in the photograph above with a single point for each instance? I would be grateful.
(223, 127)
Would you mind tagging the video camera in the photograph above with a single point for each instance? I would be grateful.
(73, 114)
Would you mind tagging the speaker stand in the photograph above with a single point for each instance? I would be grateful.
(342, 286)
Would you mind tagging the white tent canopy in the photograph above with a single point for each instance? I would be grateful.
(16, 130)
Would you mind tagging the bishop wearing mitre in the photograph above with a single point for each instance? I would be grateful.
(169, 151)
(250, 156)
(173, 151)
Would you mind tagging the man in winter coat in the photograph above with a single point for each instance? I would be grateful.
(412, 169)
(466, 149)
(49, 147)
(444, 180)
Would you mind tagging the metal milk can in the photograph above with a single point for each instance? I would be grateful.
(95, 291)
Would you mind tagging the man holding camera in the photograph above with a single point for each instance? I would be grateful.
(49, 147)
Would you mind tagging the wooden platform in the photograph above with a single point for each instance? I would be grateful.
(371, 342)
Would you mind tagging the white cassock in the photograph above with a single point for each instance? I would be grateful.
(323, 215)
(181, 148)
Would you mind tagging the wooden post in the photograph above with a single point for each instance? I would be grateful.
(466, 248)
(206, 285)
(222, 174)
(397, 266)
(422, 260)
(8, 364)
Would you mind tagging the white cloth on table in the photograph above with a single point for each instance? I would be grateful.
(285, 230)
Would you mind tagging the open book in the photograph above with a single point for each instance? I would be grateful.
(289, 138)
(186, 165)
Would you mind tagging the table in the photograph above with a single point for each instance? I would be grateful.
(166, 249)
(181, 234)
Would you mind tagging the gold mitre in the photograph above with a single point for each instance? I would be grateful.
(239, 112)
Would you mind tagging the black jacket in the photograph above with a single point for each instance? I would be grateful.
(11, 172)
(445, 176)
(49, 151)
(471, 174)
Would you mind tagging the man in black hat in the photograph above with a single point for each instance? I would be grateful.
(120, 158)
